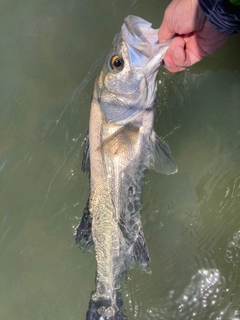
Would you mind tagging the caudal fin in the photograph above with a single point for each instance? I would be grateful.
(83, 235)
(103, 309)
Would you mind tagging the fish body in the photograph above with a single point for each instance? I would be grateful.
(120, 147)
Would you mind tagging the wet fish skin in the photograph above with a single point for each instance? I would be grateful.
(121, 146)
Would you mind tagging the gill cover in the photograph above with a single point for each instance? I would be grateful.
(127, 89)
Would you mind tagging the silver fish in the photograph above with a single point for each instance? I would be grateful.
(120, 147)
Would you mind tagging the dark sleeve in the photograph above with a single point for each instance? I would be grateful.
(224, 15)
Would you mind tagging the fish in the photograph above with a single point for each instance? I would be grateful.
(120, 147)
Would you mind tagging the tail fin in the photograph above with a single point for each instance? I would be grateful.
(104, 309)
(141, 255)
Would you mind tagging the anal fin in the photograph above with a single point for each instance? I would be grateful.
(83, 235)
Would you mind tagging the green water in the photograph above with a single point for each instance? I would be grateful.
(50, 53)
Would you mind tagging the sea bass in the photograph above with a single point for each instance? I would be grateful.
(120, 147)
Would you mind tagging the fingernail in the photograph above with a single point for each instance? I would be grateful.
(176, 53)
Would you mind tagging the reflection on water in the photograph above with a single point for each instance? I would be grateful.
(233, 249)
(50, 54)
(203, 291)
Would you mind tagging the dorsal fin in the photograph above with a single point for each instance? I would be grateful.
(83, 235)
(86, 155)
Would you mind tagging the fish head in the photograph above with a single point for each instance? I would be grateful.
(127, 82)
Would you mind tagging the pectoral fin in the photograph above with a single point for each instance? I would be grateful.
(121, 141)
(160, 158)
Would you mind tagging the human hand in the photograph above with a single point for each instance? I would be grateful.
(196, 36)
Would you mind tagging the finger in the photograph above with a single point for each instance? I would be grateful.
(175, 59)
(182, 53)
(166, 30)
(170, 65)
(193, 52)
(164, 33)
(179, 56)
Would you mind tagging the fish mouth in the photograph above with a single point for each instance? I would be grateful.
(142, 43)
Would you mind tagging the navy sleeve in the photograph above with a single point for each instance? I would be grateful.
(222, 14)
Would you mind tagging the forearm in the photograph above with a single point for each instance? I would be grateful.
(224, 15)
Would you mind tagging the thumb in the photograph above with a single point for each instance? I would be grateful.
(164, 33)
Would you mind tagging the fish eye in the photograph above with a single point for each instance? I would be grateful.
(116, 63)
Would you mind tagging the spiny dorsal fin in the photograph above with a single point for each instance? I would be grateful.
(160, 158)
(86, 156)
(83, 235)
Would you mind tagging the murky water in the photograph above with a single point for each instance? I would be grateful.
(50, 53)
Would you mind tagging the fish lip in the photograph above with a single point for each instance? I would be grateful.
(141, 29)
(136, 33)
(142, 43)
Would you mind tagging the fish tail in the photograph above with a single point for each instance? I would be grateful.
(105, 309)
